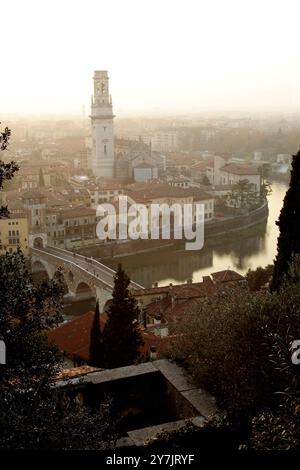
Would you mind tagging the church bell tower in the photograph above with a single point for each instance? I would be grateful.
(102, 157)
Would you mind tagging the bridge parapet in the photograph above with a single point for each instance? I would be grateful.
(79, 270)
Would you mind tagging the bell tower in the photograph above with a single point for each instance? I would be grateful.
(102, 157)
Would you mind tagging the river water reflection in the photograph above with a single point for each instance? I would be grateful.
(253, 249)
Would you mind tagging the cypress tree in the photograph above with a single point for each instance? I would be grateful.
(96, 342)
(288, 243)
(122, 337)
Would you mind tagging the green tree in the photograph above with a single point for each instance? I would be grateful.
(41, 179)
(7, 170)
(122, 337)
(237, 345)
(258, 277)
(96, 343)
(266, 189)
(243, 195)
(220, 343)
(288, 243)
(278, 427)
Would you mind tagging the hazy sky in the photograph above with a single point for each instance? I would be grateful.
(160, 54)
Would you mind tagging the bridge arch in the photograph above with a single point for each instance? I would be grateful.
(84, 290)
(41, 268)
(38, 242)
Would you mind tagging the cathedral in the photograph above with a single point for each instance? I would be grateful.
(132, 160)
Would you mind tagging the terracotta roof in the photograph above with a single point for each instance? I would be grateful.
(33, 194)
(203, 165)
(237, 169)
(182, 291)
(15, 205)
(167, 309)
(78, 211)
(155, 190)
(199, 195)
(74, 336)
(227, 276)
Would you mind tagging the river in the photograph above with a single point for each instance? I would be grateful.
(239, 252)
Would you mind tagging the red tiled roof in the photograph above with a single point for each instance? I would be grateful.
(33, 194)
(237, 169)
(227, 276)
(182, 291)
(203, 165)
(73, 337)
(155, 190)
(167, 308)
(78, 211)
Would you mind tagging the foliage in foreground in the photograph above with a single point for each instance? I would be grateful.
(32, 415)
(288, 243)
(237, 345)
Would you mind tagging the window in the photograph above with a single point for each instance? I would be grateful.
(105, 150)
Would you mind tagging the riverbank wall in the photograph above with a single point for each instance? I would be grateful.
(215, 228)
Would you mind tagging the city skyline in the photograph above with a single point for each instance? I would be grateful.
(162, 57)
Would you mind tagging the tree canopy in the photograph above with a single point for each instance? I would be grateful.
(288, 243)
(122, 337)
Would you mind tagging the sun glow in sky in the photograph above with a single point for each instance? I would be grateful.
(165, 55)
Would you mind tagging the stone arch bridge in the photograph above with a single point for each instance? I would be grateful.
(85, 277)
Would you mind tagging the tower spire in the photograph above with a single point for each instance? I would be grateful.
(102, 161)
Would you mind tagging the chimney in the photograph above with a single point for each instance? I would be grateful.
(189, 281)
(155, 284)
